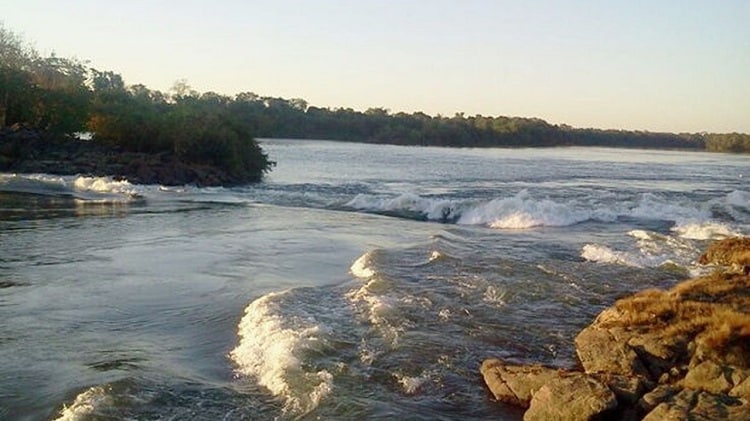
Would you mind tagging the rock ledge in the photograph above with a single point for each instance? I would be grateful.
(678, 354)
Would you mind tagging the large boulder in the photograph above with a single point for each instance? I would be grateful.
(571, 397)
(549, 393)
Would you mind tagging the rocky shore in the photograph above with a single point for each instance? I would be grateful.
(28, 151)
(680, 354)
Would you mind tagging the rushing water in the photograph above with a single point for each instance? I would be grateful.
(357, 281)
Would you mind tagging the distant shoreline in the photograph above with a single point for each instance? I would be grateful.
(28, 151)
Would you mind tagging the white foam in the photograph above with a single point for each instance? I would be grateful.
(271, 352)
(494, 296)
(104, 185)
(362, 267)
(522, 211)
(704, 230)
(412, 384)
(90, 188)
(445, 314)
(603, 254)
(86, 404)
(432, 209)
(379, 305)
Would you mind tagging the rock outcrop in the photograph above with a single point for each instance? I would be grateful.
(678, 354)
(27, 151)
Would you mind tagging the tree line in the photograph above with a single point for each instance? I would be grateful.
(63, 96)
(295, 118)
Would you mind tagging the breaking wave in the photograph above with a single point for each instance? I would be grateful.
(604, 254)
(86, 404)
(651, 249)
(362, 267)
(523, 210)
(705, 230)
(79, 187)
(272, 348)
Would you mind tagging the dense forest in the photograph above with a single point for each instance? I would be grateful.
(62, 97)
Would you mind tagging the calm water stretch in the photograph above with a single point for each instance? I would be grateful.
(357, 282)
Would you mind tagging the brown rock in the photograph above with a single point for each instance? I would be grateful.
(710, 377)
(516, 384)
(742, 390)
(573, 396)
(628, 390)
(694, 340)
(659, 394)
(606, 350)
(699, 405)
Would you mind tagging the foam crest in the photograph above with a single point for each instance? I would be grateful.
(362, 267)
(103, 185)
(432, 209)
(379, 305)
(86, 404)
(523, 211)
(603, 254)
(33, 183)
(271, 351)
(412, 384)
(87, 188)
(704, 230)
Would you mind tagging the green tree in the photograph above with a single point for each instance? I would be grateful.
(16, 58)
(62, 96)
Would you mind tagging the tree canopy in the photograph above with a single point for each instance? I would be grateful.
(62, 97)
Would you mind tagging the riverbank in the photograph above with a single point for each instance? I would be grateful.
(678, 354)
(29, 151)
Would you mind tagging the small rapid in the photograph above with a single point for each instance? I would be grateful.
(355, 281)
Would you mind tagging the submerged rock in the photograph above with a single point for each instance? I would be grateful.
(678, 354)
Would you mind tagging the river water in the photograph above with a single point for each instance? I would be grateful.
(357, 281)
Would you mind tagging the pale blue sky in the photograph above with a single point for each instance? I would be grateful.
(630, 64)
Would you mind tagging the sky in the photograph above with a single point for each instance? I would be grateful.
(658, 65)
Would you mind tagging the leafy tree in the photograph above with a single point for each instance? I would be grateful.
(62, 96)
(16, 59)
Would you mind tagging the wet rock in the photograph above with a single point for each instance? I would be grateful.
(551, 393)
(572, 396)
(678, 354)
(515, 384)
(605, 350)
